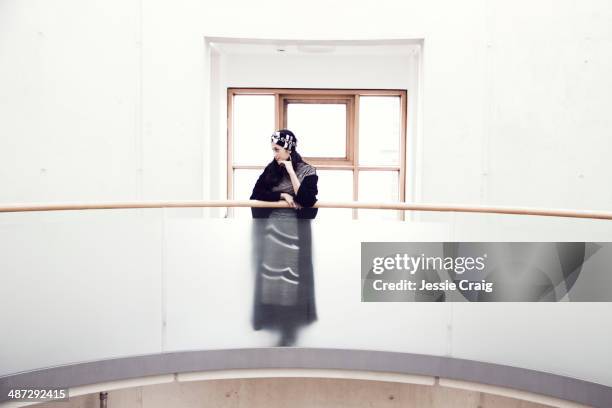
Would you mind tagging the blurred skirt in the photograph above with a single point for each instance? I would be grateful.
(284, 287)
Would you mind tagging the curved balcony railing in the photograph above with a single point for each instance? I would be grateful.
(605, 215)
(153, 292)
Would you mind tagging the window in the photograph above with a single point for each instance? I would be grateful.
(355, 138)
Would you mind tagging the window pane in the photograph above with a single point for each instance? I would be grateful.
(379, 130)
(379, 186)
(244, 181)
(253, 123)
(319, 128)
(335, 185)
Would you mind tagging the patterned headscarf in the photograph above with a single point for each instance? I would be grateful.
(284, 138)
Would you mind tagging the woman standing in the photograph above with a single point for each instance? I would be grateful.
(284, 289)
(287, 177)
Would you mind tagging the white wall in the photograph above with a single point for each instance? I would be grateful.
(69, 101)
(108, 100)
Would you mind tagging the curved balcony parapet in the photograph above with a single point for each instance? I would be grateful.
(152, 291)
(421, 369)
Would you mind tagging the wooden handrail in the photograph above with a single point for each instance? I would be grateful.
(324, 204)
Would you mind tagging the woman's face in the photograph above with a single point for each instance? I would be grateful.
(280, 153)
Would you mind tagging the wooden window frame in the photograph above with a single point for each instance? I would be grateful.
(285, 96)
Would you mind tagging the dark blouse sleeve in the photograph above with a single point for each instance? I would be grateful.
(260, 192)
(307, 193)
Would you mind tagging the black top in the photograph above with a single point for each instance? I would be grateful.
(306, 197)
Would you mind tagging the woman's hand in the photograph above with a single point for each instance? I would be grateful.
(289, 199)
(287, 165)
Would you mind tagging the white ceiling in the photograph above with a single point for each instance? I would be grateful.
(276, 47)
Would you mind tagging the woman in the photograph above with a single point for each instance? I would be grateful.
(284, 289)
(287, 177)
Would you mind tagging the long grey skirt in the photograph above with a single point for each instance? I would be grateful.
(284, 284)
(280, 274)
